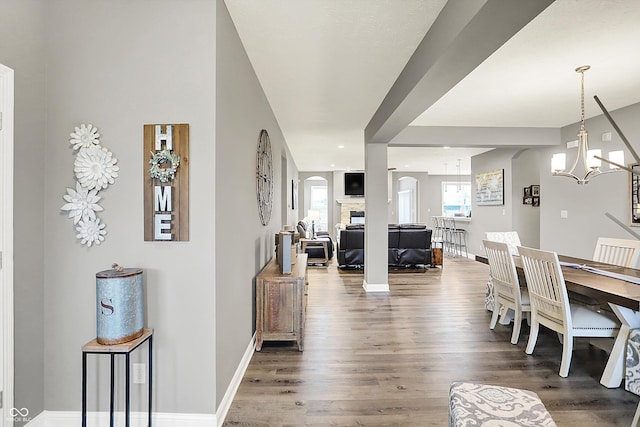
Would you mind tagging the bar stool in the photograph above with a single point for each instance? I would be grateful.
(437, 236)
(457, 237)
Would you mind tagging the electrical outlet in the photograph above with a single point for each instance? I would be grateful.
(139, 373)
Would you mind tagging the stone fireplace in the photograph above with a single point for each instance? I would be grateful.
(346, 206)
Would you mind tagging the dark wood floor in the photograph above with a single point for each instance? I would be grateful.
(388, 359)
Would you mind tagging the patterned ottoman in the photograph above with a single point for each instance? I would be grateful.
(492, 406)
(632, 373)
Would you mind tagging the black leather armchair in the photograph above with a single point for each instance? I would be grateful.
(316, 252)
(409, 246)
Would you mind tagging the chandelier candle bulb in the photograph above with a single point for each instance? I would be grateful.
(558, 162)
(616, 157)
(592, 161)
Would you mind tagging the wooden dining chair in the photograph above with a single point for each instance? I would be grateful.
(620, 252)
(506, 286)
(512, 240)
(550, 306)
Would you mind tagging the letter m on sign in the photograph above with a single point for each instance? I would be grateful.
(162, 199)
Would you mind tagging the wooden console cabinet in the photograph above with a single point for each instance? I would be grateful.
(281, 303)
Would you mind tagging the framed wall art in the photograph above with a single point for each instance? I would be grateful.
(490, 188)
(294, 194)
(634, 190)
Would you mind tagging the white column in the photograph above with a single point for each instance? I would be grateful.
(376, 240)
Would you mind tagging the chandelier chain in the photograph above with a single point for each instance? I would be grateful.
(582, 100)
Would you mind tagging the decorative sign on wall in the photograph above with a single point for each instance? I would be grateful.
(166, 182)
(490, 188)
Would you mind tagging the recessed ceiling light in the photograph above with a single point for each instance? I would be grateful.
(332, 165)
(446, 148)
(340, 146)
(406, 166)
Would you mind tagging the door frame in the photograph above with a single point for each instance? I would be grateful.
(6, 240)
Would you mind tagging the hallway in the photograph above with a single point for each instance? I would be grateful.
(388, 359)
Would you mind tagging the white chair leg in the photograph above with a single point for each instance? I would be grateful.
(533, 336)
(636, 417)
(517, 323)
(494, 316)
(506, 315)
(567, 351)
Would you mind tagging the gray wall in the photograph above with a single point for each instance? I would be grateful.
(586, 205)
(491, 218)
(244, 246)
(120, 70)
(22, 36)
(120, 65)
(526, 218)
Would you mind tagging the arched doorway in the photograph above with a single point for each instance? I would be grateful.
(407, 200)
(316, 202)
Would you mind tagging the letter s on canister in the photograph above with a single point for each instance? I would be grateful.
(119, 305)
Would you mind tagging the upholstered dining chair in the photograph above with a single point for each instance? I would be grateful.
(506, 286)
(512, 240)
(632, 371)
(620, 252)
(550, 306)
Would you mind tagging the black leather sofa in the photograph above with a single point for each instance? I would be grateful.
(409, 246)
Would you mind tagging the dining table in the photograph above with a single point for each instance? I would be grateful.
(620, 293)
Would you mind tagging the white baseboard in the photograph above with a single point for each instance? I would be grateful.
(138, 419)
(225, 404)
(378, 287)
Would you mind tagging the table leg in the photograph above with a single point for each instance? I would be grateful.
(84, 389)
(614, 371)
(150, 375)
(112, 390)
(127, 391)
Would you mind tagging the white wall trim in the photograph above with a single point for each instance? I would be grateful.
(138, 419)
(225, 404)
(6, 240)
(377, 287)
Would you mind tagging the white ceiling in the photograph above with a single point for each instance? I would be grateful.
(326, 65)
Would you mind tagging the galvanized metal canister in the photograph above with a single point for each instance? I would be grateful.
(119, 305)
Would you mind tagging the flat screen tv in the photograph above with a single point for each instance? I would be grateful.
(354, 183)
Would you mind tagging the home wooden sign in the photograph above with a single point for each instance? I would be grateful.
(166, 182)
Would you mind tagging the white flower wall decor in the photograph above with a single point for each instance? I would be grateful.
(95, 169)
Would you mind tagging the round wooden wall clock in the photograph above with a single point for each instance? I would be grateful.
(264, 178)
